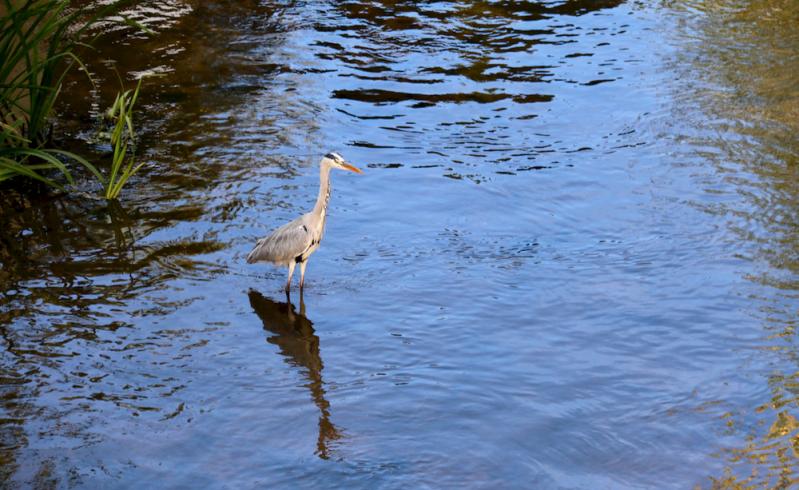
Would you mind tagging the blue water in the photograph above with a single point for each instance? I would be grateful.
(570, 262)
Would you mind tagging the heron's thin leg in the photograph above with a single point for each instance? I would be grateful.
(291, 273)
(303, 265)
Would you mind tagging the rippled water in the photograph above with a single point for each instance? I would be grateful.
(571, 261)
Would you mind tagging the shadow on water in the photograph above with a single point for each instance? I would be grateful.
(71, 265)
(294, 334)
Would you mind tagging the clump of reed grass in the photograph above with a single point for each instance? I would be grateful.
(18, 158)
(38, 44)
(122, 166)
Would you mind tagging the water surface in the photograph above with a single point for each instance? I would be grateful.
(570, 263)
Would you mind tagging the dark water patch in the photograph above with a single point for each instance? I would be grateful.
(597, 82)
(369, 117)
(389, 97)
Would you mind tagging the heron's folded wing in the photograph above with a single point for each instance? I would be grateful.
(283, 245)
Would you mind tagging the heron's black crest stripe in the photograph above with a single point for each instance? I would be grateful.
(331, 156)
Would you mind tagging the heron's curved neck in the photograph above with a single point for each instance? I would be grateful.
(324, 189)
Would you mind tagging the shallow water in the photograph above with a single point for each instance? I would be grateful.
(571, 261)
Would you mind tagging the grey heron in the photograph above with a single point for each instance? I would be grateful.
(293, 243)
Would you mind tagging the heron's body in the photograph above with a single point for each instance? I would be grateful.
(293, 243)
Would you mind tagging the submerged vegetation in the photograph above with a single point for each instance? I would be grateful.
(39, 44)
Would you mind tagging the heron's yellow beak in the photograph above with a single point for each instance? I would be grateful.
(347, 166)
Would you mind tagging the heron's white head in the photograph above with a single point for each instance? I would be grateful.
(337, 161)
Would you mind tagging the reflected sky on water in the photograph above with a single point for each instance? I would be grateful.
(570, 263)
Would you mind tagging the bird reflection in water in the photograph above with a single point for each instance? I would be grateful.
(293, 332)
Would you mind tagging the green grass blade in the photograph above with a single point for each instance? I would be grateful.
(85, 163)
(9, 169)
(47, 157)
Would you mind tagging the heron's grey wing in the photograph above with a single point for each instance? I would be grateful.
(283, 245)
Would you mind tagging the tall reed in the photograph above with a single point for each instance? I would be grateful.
(39, 40)
(122, 166)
